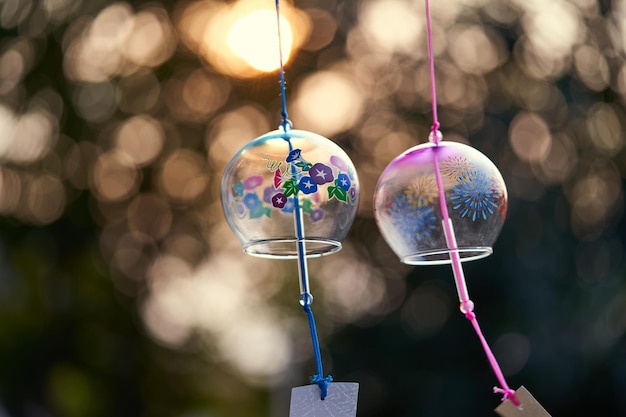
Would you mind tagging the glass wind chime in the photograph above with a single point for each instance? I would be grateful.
(444, 203)
(293, 194)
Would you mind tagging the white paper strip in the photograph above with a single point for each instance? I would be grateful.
(529, 408)
(341, 400)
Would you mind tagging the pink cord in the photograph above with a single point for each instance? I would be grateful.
(467, 306)
(433, 89)
(507, 392)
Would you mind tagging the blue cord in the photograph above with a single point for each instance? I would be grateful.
(285, 123)
(305, 298)
(319, 378)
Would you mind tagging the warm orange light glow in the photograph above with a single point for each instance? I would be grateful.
(254, 37)
(240, 39)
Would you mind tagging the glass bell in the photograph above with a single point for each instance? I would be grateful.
(283, 171)
(408, 209)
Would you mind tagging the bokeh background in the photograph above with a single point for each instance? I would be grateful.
(124, 293)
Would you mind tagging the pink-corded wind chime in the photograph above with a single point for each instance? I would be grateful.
(444, 203)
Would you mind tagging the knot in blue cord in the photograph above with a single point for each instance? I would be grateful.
(322, 383)
(285, 124)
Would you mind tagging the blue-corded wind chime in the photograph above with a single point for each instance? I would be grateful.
(293, 194)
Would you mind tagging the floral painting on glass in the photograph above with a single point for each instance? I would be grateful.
(297, 177)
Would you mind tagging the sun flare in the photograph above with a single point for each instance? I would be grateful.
(254, 38)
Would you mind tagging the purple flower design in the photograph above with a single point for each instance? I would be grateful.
(339, 163)
(352, 193)
(252, 182)
(307, 185)
(343, 181)
(279, 200)
(317, 215)
(294, 155)
(251, 200)
(321, 173)
(268, 193)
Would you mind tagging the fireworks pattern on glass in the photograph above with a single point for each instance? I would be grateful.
(456, 167)
(475, 196)
(422, 191)
(410, 220)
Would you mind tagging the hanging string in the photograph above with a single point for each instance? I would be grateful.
(467, 306)
(435, 133)
(305, 295)
(285, 123)
(319, 377)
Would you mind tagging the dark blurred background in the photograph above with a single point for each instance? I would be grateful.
(124, 293)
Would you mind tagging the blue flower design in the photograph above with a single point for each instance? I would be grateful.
(474, 196)
(238, 189)
(289, 206)
(251, 200)
(414, 223)
(307, 185)
(294, 155)
(343, 181)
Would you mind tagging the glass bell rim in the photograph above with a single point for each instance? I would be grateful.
(436, 256)
(314, 247)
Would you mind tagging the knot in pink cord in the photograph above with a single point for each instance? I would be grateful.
(507, 394)
(467, 307)
(435, 135)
